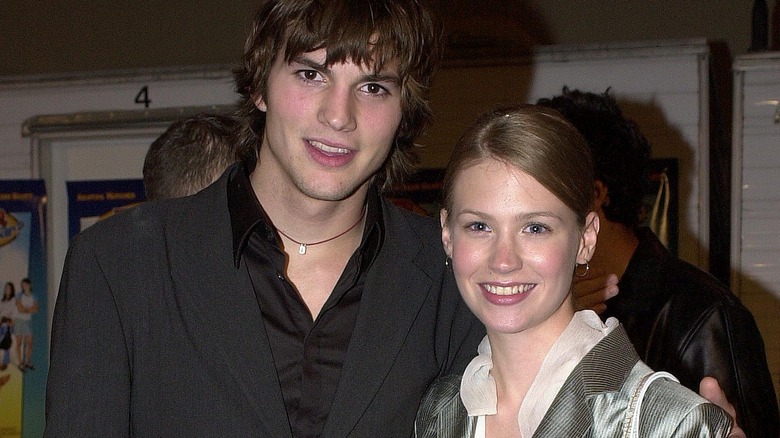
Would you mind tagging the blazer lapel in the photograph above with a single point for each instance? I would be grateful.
(395, 290)
(569, 415)
(216, 298)
(602, 371)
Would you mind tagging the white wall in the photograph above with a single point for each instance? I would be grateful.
(755, 233)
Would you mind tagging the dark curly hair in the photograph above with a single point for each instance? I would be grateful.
(621, 152)
(366, 32)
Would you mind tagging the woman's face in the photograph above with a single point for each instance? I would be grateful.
(6, 291)
(514, 246)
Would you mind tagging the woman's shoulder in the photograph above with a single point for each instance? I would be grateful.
(669, 409)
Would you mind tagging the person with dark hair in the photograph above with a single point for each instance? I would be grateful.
(8, 302)
(288, 298)
(518, 224)
(191, 154)
(679, 318)
(8, 312)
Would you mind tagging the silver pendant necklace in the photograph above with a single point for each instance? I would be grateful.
(302, 246)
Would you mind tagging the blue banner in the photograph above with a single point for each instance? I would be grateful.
(24, 328)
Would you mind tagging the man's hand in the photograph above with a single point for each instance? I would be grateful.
(710, 389)
(592, 290)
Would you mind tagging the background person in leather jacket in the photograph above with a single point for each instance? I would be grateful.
(679, 318)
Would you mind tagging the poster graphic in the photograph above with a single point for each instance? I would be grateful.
(23, 323)
(92, 201)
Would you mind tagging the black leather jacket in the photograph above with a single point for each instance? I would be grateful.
(684, 321)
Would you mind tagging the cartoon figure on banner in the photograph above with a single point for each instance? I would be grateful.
(9, 227)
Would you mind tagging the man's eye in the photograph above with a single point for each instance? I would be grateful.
(374, 89)
(309, 75)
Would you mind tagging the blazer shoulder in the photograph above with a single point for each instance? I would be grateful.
(670, 409)
(153, 217)
(424, 226)
(443, 391)
(441, 412)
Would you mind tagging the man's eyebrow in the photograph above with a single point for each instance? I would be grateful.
(372, 77)
(308, 62)
(379, 77)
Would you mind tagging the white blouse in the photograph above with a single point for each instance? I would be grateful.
(478, 389)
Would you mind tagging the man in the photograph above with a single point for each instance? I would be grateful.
(191, 154)
(291, 300)
(679, 318)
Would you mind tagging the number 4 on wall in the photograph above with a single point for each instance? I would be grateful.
(143, 96)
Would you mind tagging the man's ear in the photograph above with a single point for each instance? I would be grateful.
(260, 103)
(600, 194)
(446, 238)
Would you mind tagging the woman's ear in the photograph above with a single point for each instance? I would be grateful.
(446, 238)
(589, 237)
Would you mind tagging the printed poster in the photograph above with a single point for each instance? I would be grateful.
(92, 201)
(24, 329)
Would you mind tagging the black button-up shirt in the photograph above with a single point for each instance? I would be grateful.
(308, 353)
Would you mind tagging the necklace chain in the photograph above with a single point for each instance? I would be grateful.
(303, 246)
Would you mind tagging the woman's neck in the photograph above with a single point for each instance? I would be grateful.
(517, 357)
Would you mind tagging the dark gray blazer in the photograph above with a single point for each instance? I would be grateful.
(157, 333)
(591, 403)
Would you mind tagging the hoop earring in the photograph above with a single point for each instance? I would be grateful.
(578, 269)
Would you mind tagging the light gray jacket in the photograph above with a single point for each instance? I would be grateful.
(592, 402)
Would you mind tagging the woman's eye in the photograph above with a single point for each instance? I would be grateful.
(478, 226)
(536, 228)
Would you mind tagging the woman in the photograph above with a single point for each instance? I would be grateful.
(516, 223)
(8, 304)
(27, 306)
(7, 314)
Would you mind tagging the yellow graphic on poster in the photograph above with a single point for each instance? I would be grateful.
(14, 250)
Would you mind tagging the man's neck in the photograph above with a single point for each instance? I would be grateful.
(616, 245)
(304, 218)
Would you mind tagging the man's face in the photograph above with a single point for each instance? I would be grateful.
(328, 129)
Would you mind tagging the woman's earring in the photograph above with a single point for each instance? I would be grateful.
(448, 262)
(579, 271)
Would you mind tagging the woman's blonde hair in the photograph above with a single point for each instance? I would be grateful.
(535, 140)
